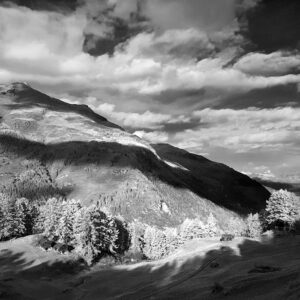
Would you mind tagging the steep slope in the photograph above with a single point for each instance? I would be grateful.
(51, 148)
(215, 181)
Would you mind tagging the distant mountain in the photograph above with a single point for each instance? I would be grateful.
(52, 148)
(277, 185)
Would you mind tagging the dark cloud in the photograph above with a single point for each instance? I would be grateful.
(48, 5)
(273, 25)
(282, 95)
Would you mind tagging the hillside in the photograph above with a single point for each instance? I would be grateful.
(201, 269)
(52, 148)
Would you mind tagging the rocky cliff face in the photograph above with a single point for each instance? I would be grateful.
(52, 148)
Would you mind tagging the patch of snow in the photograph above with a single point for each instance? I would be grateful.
(164, 207)
(175, 165)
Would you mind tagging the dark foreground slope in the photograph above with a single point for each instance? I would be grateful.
(244, 269)
(51, 148)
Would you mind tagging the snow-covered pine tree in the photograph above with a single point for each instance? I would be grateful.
(172, 240)
(13, 222)
(95, 233)
(236, 227)
(282, 208)
(137, 232)
(185, 231)
(104, 231)
(123, 241)
(253, 226)
(27, 210)
(82, 230)
(192, 229)
(155, 246)
(212, 226)
(52, 212)
(64, 230)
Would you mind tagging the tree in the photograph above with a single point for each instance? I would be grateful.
(155, 246)
(2, 224)
(253, 226)
(28, 213)
(281, 209)
(136, 232)
(172, 240)
(212, 227)
(95, 233)
(51, 214)
(236, 227)
(14, 225)
(192, 229)
(64, 230)
(123, 241)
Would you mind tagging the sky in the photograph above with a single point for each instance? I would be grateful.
(219, 78)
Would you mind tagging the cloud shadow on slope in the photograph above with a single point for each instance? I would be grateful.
(220, 184)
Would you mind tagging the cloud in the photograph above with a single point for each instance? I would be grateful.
(129, 120)
(153, 137)
(244, 130)
(272, 64)
(153, 66)
(211, 15)
(48, 50)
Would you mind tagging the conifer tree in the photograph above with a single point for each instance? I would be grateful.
(192, 229)
(2, 224)
(14, 222)
(52, 212)
(212, 227)
(155, 246)
(64, 230)
(136, 231)
(282, 208)
(27, 211)
(236, 226)
(172, 240)
(95, 233)
(253, 226)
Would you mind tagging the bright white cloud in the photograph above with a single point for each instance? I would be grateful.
(48, 50)
(276, 63)
(243, 130)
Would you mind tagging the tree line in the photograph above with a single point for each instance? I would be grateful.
(67, 226)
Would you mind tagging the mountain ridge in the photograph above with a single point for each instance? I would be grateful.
(79, 154)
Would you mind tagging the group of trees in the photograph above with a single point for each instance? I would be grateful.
(17, 217)
(282, 210)
(64, 225)
(91, 233)
(86, 230)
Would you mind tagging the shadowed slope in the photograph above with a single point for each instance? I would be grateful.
(222, 183)
(202, 269)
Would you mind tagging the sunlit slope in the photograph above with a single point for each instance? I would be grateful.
(51, 148)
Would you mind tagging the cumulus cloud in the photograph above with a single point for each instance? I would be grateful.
(272, 64)
(48, 50)
(157, 48)
(244, 130)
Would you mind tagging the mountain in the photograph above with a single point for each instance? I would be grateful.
(52, 148)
